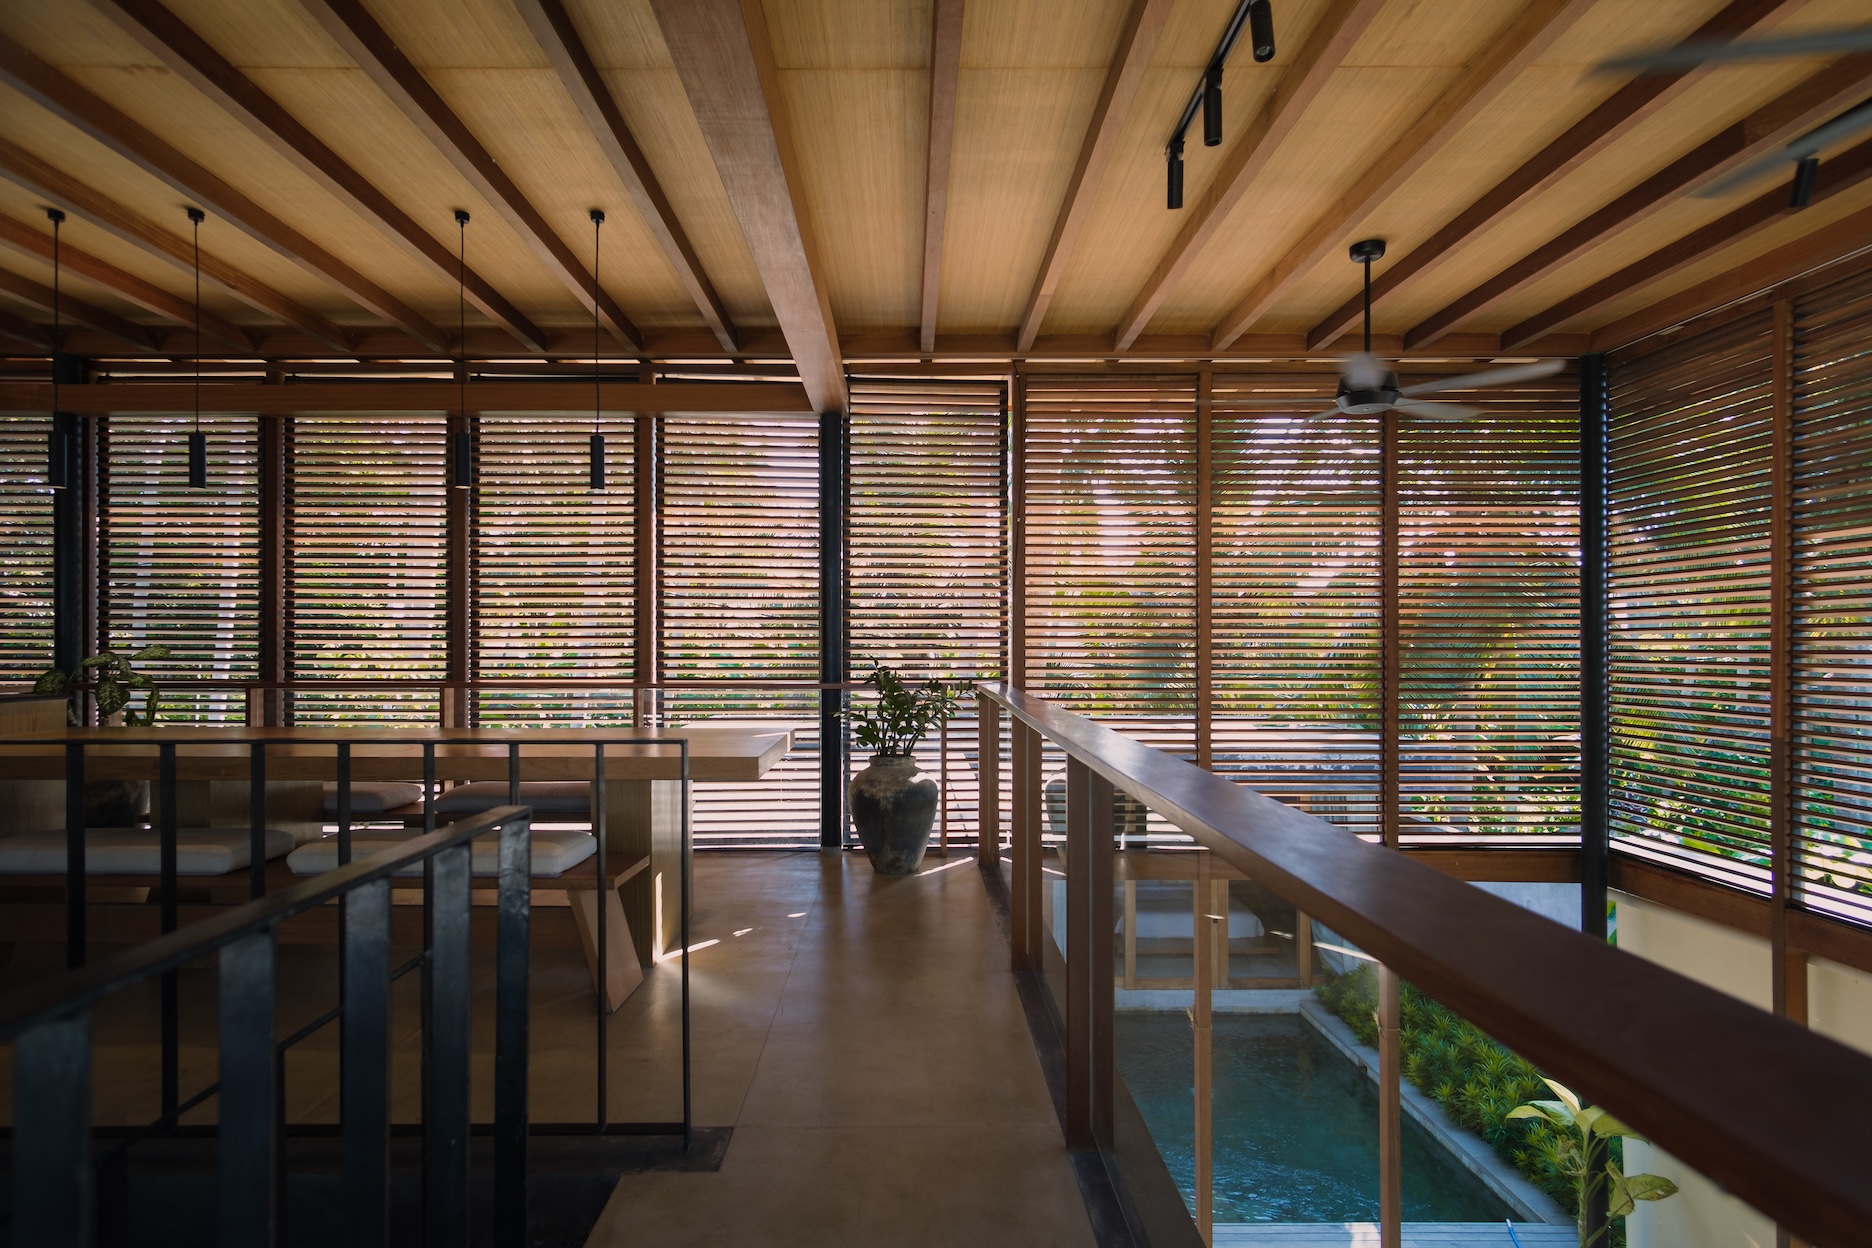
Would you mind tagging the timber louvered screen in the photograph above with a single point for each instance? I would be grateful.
(554, 568)
(1110, 573)
(927, 557)
(25, 548)
(1832, 605)
(1296, 599)
(1488, 605)
(181, 567)
(1688, 600)
(738, 606)
(367, 562)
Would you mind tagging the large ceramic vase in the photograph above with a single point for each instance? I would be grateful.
(893, 807)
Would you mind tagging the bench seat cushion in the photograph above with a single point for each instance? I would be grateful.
(138, 851)
(554, 852)
(546, 797)
(369, 798)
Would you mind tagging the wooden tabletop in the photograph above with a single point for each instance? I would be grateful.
(394, 752)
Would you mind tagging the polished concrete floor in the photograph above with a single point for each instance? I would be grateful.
(864, 1038)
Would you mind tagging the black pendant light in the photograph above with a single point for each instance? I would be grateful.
(463, 468)
(58, 458)
(597, 436)
(197, 441)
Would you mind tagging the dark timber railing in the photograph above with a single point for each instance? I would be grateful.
(1770, 1110)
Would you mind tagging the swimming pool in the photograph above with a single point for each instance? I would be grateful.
(1296, 1125)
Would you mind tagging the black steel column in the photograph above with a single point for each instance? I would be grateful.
(69, 530)
(834, 498)
(1595, 845)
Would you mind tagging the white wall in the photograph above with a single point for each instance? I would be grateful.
(1701, 1215)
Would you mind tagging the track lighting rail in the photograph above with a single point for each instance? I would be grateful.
(1257, 16)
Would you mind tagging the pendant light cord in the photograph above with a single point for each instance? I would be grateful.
(597, 218)
(195, 219)
(58, 219)
(461, 306)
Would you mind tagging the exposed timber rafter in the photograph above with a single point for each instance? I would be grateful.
(1331, 39)
(1840, 173)
(22, 238)
(90, 114)
(945, 70)
(559, 39)
(1623, 111)
(1531, 34)
(371, 46)
(196, 61)
(725, 59)
(1837, 86)
(78, 311)
(19, 329)
(1136, 42)
(22, 168)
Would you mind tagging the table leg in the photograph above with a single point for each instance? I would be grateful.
(645, 817)
(621, 965)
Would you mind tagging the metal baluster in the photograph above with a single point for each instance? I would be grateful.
(53, 1202)
(513, 773)
(428, 977)
(365, 1064)
(247, 1132)
(257, 812)
(344, 803)
(511, 1025)
(446, 1046)
(74, 856)
(604, 961)
(688, 1103)
(171, 985)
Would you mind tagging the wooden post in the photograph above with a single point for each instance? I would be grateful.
(1390, 633)
(1130, 934)
(1390, 1169)
(1024, 911)
(988, 807)
(1100, 860)
(1303, 948)
(942, 790)
(1202, 945)
(1205, 571)
(1079, 938)
(646, 669)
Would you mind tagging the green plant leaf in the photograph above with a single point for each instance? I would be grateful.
(151, 652)
(1565, 1094)
(1552, 1111)
(111, 697)
(100, 660)
(52, 684)
(1650, 1187)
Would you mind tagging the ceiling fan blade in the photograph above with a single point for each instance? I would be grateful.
(1437, 411)
(1362, 370)
(1694, 52)
(1845, 125)
(1493, 377)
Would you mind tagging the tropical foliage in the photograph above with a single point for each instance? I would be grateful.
(112, 683)
(901, 715)
(1582, 1133)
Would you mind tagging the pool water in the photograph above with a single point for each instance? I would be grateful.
(1296, 1125)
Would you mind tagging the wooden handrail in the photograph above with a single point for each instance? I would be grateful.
(1773, 1112)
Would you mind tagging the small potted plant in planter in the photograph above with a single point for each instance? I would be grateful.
(893, 805)
(110, 803)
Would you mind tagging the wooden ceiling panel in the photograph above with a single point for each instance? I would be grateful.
(70, 284)
(460, 34)
(263, 34)
(849, 34)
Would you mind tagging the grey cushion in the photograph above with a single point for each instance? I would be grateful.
(138, 851)
(546, 797)
(554, 852)
(371, 798)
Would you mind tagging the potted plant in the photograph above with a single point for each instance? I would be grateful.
(893, 805)
(113, 682)
(1580, 1136)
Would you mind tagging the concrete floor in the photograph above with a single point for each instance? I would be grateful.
(865, 1040)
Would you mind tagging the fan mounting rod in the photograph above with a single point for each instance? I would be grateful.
(1364, 252)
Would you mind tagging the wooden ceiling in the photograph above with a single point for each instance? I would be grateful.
(840, 180)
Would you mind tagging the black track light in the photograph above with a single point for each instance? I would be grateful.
(1212, 106)
(197, 440)
(597, 436)
(58, 442)
(1261, 30)
(1176, 173)
(1805, 170)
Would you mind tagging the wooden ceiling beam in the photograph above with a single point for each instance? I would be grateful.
(22, 168)
(1843, 172)
(19, 329)
(1132, 57)
(1532, 33)
(77, 311)
(19, 237)
(1332, 37)
(559, 39)
(195, 60)
(371, 46)
(1617, 116)
(1843, 240)
(1814, 101)
(408, 396)
(63, 97)
(945, 71)
(725, 59)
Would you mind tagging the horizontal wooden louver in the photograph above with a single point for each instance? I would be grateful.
(1832, 604)
(25, 548)
(367, 561)
(928, 560)
(1296, 595)
(554, 568)
(181, 567)
(1488, 604)
(1689, 593)
(738, 601)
